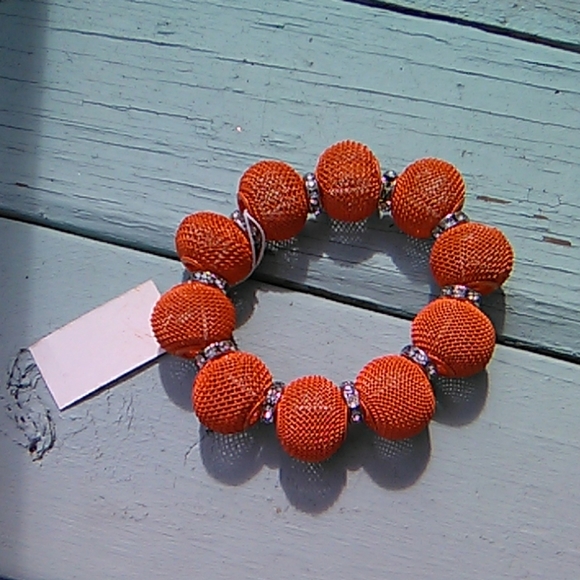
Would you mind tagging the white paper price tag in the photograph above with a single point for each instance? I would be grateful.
(99, 347)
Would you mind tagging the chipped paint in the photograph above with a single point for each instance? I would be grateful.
(557, 241)
(489, 199)
(25, 408)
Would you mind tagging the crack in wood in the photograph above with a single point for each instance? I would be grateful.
(478, 25)
(492, 199)
(557, 241)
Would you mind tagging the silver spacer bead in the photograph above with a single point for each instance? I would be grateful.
(313, 193)
(352, 400)
(463, 293)
(212, 351)
(449, 221)
(210, 279)
(272, 397)
(253, 232)
(388, 179)
(419, 356)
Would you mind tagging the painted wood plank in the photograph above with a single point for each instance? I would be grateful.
(556, 22)
(134, 488)
(119, 120)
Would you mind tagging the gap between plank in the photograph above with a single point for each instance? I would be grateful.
(483, 26)
(302, 288)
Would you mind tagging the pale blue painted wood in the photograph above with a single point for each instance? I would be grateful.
(134, 489)
(555, 22)
(120, 119)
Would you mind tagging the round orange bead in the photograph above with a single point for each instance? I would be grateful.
(191, 316)
(312, 418)
(211, 241)
(349, 180)
(458, 338)
(396, 397)
(274, 194)
(424, 193)
(229, 392)
(473, 255)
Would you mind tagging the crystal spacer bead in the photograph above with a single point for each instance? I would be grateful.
(419, 356)
(449, 221)
(272, 397)
(213, 350)
(462, 293)
(313, 193)
(210, 279)
(388, 179)
(352, 400)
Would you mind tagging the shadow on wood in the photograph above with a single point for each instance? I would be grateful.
(314, 487)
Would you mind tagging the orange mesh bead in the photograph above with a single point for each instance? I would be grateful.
(474, 255)
(274, 194)
(229, 392)
(312, 418)
(191, 316)
(396, 397)
(424, 193)
(349, 180)
(211, 241)
(458, 338)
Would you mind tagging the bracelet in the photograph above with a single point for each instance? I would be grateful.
(392, 394)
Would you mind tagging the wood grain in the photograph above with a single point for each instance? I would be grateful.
(555, 23)
(134, 488)
(119, 120)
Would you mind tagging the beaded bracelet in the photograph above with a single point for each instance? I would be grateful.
(392, 394)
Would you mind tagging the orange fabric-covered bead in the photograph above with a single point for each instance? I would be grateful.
(424, 193)
(211, 241)
(349, 180)
(191, 316)
(474, 255)
(396, 397)
(229, 392)
(312, 418)
(274, 194)
(458, 338)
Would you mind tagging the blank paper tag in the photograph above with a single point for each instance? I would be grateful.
(99, 347)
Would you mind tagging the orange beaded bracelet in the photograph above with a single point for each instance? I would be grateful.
(392, 394)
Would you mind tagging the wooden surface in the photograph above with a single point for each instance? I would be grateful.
(553, 22)
(134, 488)
(121, 118)
(117, 119)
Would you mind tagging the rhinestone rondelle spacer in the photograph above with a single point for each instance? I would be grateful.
(462, 293)
(212, 351)
(272, 397)
(388, 179)
(210, 279)
(313, 193)
(419, 356)
(449, 221)
(352, 400)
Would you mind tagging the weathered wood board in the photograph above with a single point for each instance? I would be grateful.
(554, 22)
(117, 119)
(134, 488)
